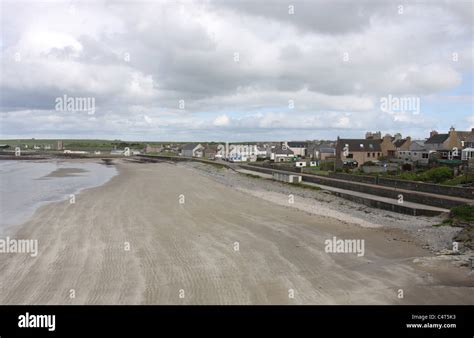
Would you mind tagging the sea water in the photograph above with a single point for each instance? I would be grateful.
(25, 186)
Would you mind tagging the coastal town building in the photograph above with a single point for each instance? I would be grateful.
(467, 154)
(324, 154)
(357, 151)
(298, 148)
(282, 154)
(402, 144)
(463, 137)
(373, 136)
(469, 142)
(416, 153)
(453, 139)
(210, 151)
(449, 146)
(261, 152)
(321, 151)
(438, 141)
(192, 150)
(387, 147)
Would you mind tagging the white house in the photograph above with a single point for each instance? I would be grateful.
(261, 152)
(282, 154)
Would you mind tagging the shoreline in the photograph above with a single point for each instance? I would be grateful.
(55, 175)
(190, 247)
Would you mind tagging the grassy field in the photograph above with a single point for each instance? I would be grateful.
(315, 171)
(73, 144)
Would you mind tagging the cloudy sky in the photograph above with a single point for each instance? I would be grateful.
(235, 70)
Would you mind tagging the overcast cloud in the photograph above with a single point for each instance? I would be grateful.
(234, 70)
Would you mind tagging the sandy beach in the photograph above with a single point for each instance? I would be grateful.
(167, 234)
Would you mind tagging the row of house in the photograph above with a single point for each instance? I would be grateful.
(273, 151)
(454, 145)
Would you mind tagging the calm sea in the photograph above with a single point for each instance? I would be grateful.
(25, 186)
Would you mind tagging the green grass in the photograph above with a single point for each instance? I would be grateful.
(459, 180)
(460, 214)
(439, 175)
(463, 213)
(316, 171)
(305, 186)
(88, 145)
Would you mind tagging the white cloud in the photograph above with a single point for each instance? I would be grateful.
(222, 120)
(186, 51)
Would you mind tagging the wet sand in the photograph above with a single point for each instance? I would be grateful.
(65, 172)
(130, 241)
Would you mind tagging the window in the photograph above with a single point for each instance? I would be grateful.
(373, 154)
(378, 154)
(361, 145)
(350, 156)
(368, 154)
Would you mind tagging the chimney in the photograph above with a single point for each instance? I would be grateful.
(433, 133)
(451, 129)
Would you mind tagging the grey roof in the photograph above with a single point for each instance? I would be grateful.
(190, 146)
(465, 135)
(297, 144)
(283, 151)
(417, 146)
(419, 142)
(399, 143)
(355, 145)
(436, 139)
